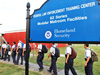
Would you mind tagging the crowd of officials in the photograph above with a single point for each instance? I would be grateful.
(20, 49)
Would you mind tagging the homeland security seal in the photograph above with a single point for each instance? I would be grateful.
(48, 34)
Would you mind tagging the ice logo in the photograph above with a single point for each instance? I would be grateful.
(48, 34)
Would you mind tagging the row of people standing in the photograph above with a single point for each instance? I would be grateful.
(69, 61)
(16, 51)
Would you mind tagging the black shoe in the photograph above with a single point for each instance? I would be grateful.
(4, 60)
(54, 74)
(16, 63)
(40, 69)
(49, 71)
(21, 63)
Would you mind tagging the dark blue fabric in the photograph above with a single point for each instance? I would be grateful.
(20, 55)
(6, 54)
(25, 55)
(40, 60)
(2, 53)
(89, 68)
(14, 56)
(68, 66)
(53, 65)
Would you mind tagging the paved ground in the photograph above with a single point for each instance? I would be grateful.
(34, 67)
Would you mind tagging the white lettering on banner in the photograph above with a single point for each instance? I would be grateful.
(77, 18)
(52, 17)
(61, 16)
(37, 15)
(61, 35)
(72, 8)
(59, 31)
(57, 21)
(57, 17)
(56, 11)
(88, 5)
(70, 30)
(64, 30)
(43, 23)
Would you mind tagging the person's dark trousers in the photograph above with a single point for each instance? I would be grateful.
(19, 55)
(14, 56)
(40, 60)
(6, 54)
(25, 55)
(53, 65)
(89, 68)
(0, 52)
(2, 57)
(68, 66)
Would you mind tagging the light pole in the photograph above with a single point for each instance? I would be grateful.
(27, 39)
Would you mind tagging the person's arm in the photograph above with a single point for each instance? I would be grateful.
(1, 49)
(88, 55)
(67, 57)
(4, 50)
(87, 61)
(23, 51)
(49, 56)
(17, 49)
(11, 49)
(69, 50)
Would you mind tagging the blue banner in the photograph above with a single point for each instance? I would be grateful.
(66, 21)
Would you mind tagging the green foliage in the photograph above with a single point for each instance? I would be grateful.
(78, 62)
(6, 69)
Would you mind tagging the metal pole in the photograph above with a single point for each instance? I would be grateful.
(27, 39)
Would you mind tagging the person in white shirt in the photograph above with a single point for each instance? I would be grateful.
(53, 59)
(24, 51)
(89, 63)
(20, 50)
(8, 48)
(13, 50)
(69, 60)
(3, 47)
(40, 57)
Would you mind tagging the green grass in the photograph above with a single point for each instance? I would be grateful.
(6, 69)
(78, 62)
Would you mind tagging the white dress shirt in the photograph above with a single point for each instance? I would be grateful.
(20, 45)
(40, 47)
(13, 46)
(24, 46)
(52, 50)
(4, 46)
(68, 50)
(87, 53)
